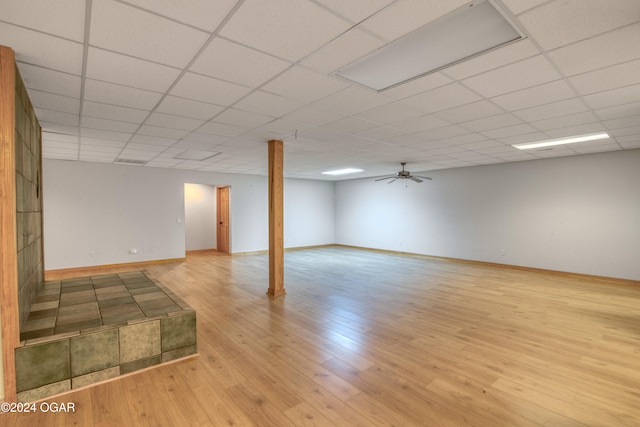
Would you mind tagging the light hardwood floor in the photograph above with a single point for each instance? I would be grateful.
(371, 339)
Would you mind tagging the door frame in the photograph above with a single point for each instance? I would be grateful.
(220, 237)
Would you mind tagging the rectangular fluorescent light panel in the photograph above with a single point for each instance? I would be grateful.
(467, 32)
(561, 141)
(342, 171)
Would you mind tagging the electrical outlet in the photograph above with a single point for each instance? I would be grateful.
(133, 251)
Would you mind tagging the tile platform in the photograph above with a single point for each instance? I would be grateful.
(84, 330)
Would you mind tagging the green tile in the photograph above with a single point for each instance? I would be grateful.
(121, 319)
(70, 327)
(75, 298)
(115, 301)
(44, 391)
(153, 311)
(178, 331)
(94, 352)
(179, 353)
(42, 364)
(95, 377)
(139, 341)
(136, 365)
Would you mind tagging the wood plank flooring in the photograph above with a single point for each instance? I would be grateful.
(371, 339)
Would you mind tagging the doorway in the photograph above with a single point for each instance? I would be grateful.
(222, 219)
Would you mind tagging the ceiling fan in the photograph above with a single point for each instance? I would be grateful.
(403, 174)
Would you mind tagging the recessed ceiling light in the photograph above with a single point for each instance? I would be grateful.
(561, 141)
(342, 171)
(471, 30)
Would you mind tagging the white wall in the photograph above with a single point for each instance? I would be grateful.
(575, 214)
(95, 213)
(199, 217)
(308, 213)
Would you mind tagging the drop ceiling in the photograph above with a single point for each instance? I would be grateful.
(146, 81)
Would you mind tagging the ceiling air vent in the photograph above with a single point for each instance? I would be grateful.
(131, 161)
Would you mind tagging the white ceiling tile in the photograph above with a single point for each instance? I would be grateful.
(110, 93)
(526, 73)
(598, 52)
(54, 102)
(122, 28)
(173, 122)
(107, 135)
(464, 113)
(207, 89)
(242, 119)
(351, 125)
(56, 137)
(613, 77)
(321, 134)
(286, 29)
(483, 146)
(495, 58)
(442, 98)
(57, 117)
(622, 122)
(222, 129)
(232, 62)
(313, 115)
(559, 23)
(108, 125)
(112, 112)
(390, 113)
(204, 14)
(519, 6)
(50, 81)
(342, 51)
(595, 148)
(162, 132)
(52, 127)
(285, 127)
(521, 129)
(443, 132)
(267, 104)
(355, 11)
(188, 108)
(610, 98)
(565, 121)
(404, 16)
(305, 85)
(625, 110)
(466, 139)
(145, 147)
(626, 131)
(36, 48)
(127, 71)
(381, 133)
(581, 129)
(492, 122)
(137, 155)
(421, 123)
(552, 110)
(353, 100)
(155, 140)
(538, 95)
(419, 85)
(103, 144)
(63, 18)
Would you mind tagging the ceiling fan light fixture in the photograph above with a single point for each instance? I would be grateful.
(561, 141)
(345, 171)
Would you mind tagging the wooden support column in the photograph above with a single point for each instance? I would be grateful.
(276, 219)
(8, 232)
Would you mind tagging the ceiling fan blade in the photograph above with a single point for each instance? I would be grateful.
(394, 179)
(386, 177)
(424, 177)
(413, 178)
